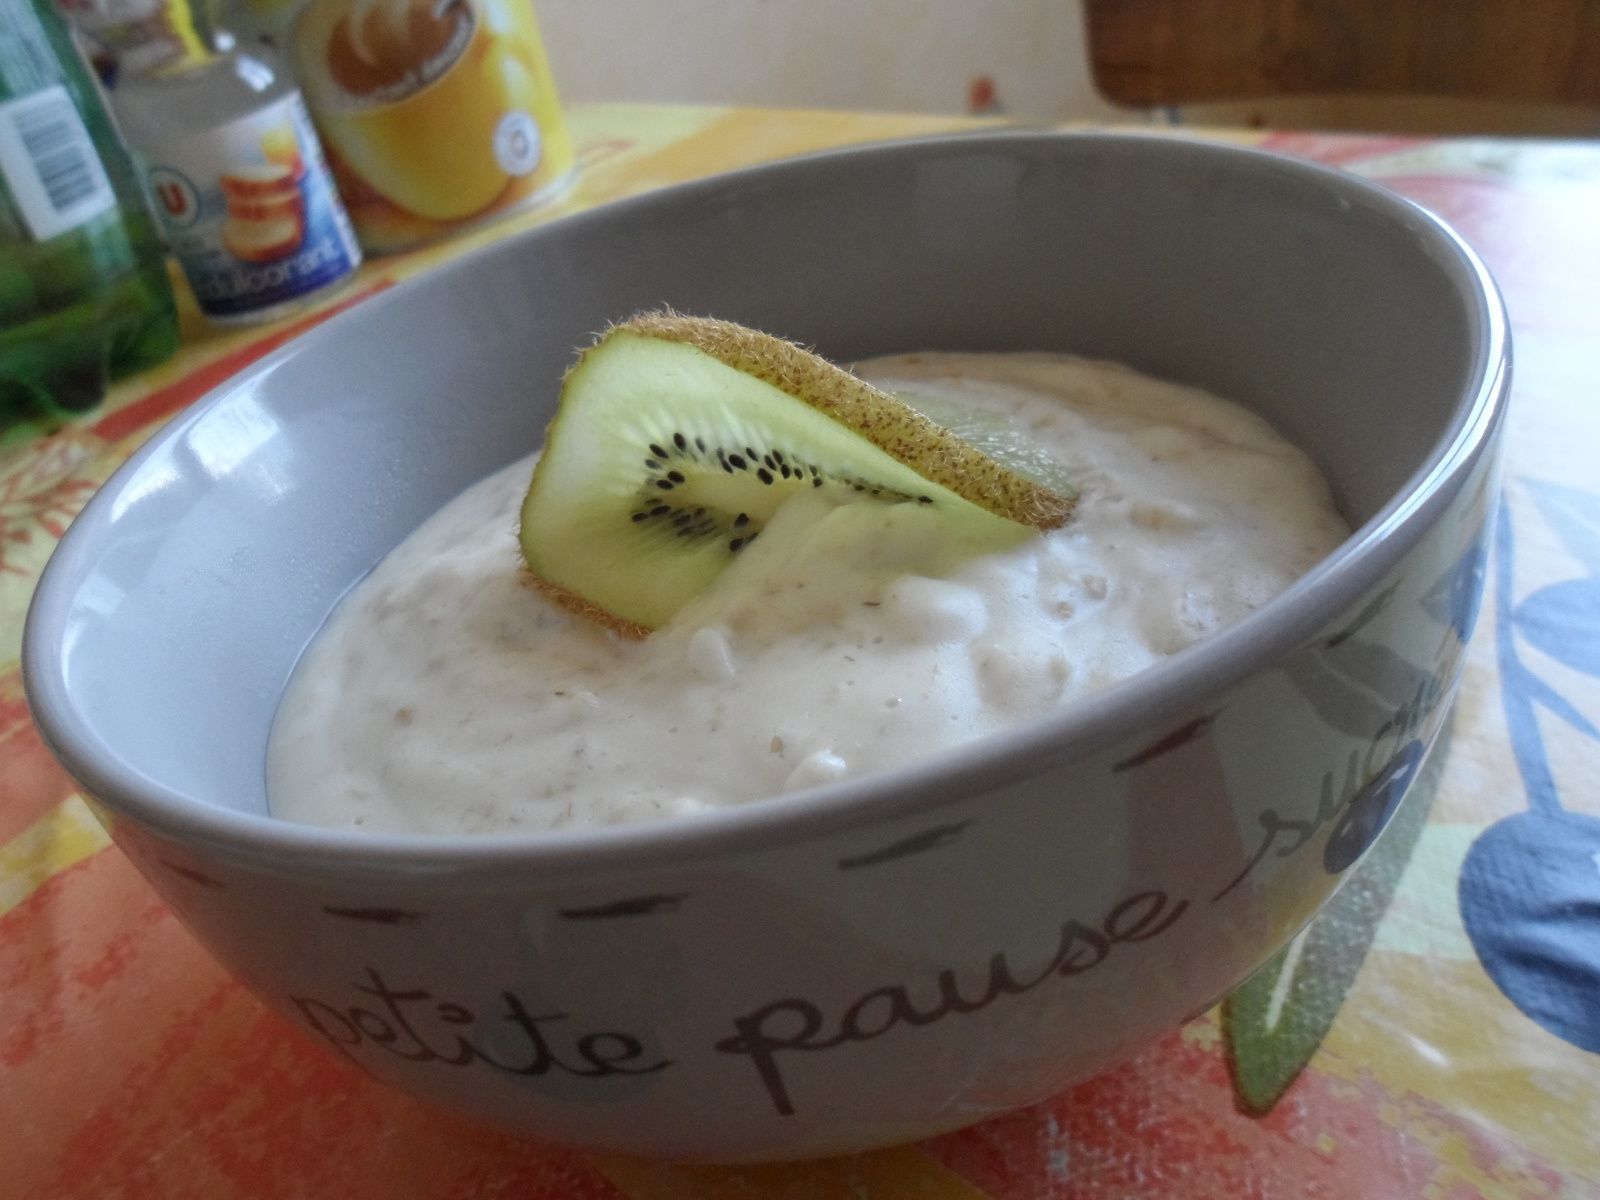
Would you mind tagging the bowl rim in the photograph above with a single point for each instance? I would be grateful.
(1147, 700)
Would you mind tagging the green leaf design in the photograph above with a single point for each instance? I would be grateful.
(1275, 1021)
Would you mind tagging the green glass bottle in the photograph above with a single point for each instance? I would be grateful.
(84, 296)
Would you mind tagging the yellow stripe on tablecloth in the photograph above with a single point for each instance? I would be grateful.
(903, 1173)
(65, 835)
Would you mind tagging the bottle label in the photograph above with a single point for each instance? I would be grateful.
(250, 211)
(50, 165)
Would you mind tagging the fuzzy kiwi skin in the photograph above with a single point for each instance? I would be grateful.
(926, 448)
(888, 423)
(582, 607)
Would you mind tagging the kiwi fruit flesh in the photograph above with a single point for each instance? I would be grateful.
(677, 438)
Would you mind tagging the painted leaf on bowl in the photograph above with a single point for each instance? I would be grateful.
(1275, 1021)
(1355, 685)
(1456, 596)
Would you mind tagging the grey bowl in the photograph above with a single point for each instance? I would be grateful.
(878, 960)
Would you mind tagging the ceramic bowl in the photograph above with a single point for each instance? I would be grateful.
(883, 959)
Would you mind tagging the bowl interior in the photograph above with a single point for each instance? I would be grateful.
(181, 599)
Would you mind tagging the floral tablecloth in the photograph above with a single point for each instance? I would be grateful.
(1436, 1033)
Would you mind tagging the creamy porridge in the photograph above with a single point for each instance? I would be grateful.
(446, 696)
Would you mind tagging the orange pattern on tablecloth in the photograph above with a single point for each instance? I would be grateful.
(63, 837)
(31, 781)
(1162, 1126)
(904, 1172)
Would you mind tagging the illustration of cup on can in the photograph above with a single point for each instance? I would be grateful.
(434, 113)
(266, 206)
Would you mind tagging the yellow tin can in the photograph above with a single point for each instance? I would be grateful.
(434, 114)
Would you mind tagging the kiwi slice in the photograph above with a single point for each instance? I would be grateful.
(677, 438)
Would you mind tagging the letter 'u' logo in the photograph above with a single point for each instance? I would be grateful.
(173, 199)
(176, 198)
